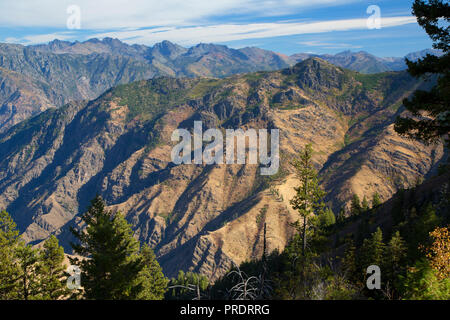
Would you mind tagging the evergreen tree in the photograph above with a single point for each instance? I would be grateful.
(421, 283)
(52, 270)
(29, 280)
(372, 251)
(341, 216)
(433, 16)
(349, 261)
(9, 267)
(298, 272)
(186, 286)
(308, 198)
(151, 277)
(114, 264)
(365, 205)
(295, 282)
(395, 259)
(416, 231)
(376, 200)
(355, 208)
(27, 273)
(340, 288)
(327, 218)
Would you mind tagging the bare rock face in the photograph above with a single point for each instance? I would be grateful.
(204, 218)
(20, 98)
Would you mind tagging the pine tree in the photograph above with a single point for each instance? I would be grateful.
(376, 201)
(416, 231)
(341, 216)
(151, 277)
(113, 266)
(29, 280)
(187, 286)
(52, 270)
(327, 218)
(308, 198)
(9, 267)
(395, 259)
(309, 205)
(433, 16)
(365, 205)
(356, 208)
(421, 283)
(372, 251)
(349, 261)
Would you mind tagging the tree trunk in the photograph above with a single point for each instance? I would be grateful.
(304, 236)
(25, 289)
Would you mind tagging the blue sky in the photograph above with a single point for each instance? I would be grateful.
(286, 26)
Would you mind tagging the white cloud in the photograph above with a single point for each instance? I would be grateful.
(232, 32)
(107, 14)
(329, 45)
(186, 22)
(221, 32)
(41, 38)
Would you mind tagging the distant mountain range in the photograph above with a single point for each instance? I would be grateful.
(170, 59)
(248, 59)
(35, 78)
(367, 63)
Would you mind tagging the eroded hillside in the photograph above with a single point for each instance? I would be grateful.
(205, 217)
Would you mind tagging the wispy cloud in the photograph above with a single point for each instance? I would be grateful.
(232, 32)
(329, 45)
(107, 14)
(279, 25)
(41, 38)
(224, 32)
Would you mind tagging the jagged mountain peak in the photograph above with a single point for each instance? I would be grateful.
(169, 49)
(205, 48)
(93, 40)
(414, 56)
(313, 66)
(59, 43)
(366, 62)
